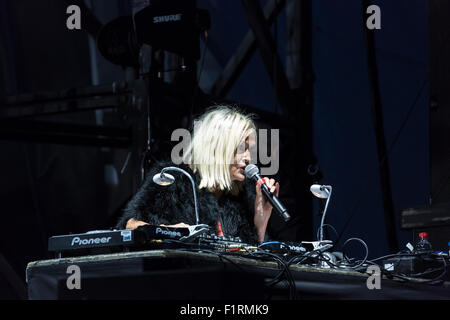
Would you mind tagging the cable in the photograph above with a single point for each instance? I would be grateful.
(329, 225)
(410, 277)
(317, 258)
(387, 273)
(285, 270)
(274, 62)
(381, 162)
(266, 243)
(438, 277)
(327, 260)
(365, 246)
(222, 255)
(392, 255)
(281, 264)
(196, 88)
(203, 58)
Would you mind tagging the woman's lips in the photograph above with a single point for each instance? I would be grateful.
(241, 170)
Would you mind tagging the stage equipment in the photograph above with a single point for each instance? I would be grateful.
(163, 179)
(120, 240)
(150, 237)
(426, 217)
(171, 25)
(322, 192)
(200, 275)
(117, 42)
(434, 219)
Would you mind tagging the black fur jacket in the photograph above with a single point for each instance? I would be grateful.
(175, 203)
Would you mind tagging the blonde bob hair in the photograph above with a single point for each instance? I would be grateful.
(216, 137)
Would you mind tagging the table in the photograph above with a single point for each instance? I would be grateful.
(172, 274)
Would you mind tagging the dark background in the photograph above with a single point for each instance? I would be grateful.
(49, 188)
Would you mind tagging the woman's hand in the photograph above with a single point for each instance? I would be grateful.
(133, 224)
(178, 225)
(263, 207)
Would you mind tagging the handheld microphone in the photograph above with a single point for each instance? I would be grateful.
(252, 173)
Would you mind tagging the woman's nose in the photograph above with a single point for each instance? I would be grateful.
(247, 157)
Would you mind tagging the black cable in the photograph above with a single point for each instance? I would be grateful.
(381, 162)
(218, 253)
(222, 255)
(284, 270)
(387, 273)
(196, 88)
(305, 256)
(327, 260)
(438, 277)
(285, 261)
(359, 263)
(410, 277)
(427, 272)
(277, 278)
(281, 264)
(275, 65)
(203, 59)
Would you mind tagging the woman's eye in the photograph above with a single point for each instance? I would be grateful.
(240, 149)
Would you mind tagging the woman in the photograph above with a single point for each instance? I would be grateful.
(217, 156)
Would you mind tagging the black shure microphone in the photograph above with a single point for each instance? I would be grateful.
(252, 173)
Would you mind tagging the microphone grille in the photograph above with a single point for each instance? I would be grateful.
(251, 170)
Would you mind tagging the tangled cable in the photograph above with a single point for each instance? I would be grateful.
(320, 258)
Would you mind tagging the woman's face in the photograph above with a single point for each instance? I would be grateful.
(242, 158)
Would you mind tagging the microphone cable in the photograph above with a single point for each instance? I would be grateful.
(371, 175)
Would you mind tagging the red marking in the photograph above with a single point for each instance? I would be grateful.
(423, 235)
(219, 229)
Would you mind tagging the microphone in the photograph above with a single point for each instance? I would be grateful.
(252, 173)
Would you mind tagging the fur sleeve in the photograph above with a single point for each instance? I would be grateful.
(146, 205)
